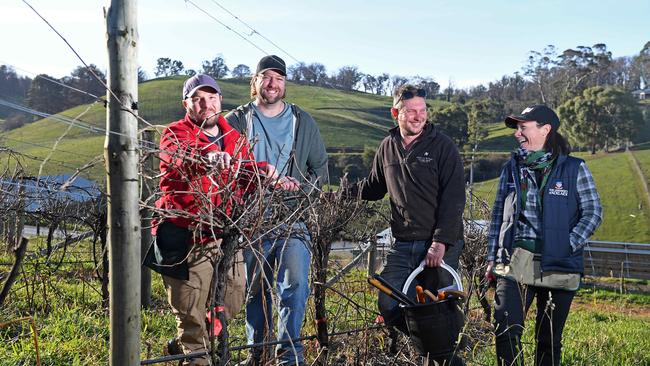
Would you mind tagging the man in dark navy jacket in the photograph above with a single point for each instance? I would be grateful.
(421, 170)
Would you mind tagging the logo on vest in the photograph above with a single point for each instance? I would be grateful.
(558, 190)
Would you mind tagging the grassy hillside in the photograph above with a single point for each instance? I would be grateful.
(626, 214)
(499, 138)
(346, 119)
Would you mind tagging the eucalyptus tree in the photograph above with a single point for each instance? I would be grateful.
(601, 117)
(216, 67)
(452, 120)
(241, 71)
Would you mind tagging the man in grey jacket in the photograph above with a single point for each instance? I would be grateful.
(288, 138)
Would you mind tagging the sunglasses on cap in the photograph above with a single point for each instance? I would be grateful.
(410, 94)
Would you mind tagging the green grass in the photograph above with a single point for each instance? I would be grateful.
(605, 338)
(594, 333)
(625, 216)
(499, 138)
(599, 295)
(643, 156)
(73, 328)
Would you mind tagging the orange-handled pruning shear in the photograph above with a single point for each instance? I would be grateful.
(445, 294)
(384, 287)
(419, 294)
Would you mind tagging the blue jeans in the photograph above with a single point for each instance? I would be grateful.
(292, 258)
(403, 257)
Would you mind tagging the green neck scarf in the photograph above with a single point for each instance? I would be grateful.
(539, 161)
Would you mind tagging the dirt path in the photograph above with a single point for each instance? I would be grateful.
(642, 178)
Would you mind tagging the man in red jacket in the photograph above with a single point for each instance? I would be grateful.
(201, 178)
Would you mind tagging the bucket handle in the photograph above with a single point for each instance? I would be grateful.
(420, 268)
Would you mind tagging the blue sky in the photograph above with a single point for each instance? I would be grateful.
(465, 42)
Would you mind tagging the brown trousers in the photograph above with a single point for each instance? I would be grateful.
(189, 299)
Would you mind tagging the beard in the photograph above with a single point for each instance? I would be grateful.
(207, 119)
(268, 98)
(412, 128)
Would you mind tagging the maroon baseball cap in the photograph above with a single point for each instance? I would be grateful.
(538, 113)
(197, 82)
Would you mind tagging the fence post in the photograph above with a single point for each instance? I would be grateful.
(372, 257)
(16, 221)
(146, 239)
(622, 283)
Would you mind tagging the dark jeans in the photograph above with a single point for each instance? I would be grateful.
(512, 302)
(402, 259)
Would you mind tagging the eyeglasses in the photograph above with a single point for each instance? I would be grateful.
(409, 94)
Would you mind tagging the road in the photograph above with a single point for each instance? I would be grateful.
(30, 231)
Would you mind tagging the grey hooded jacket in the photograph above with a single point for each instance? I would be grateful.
(308, 161)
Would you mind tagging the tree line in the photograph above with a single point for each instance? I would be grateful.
(46, 93)
(588, 86)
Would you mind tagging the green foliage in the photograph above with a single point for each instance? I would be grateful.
(368, 156)
(481, 112)
(216, 68)
(168, 67)
(487, 166)
(350, 164)
(600, 118)
(452, 119)
(45, 96)
(13, 88)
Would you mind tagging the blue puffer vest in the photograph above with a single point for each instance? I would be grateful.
(560, 210)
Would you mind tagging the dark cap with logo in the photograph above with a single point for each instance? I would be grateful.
(272, 62)
(539, 113)
(197, 82)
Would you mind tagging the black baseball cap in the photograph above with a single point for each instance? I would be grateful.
(197, 82)
(539, 113)
(272, 62)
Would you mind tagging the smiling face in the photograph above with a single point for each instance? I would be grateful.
(531, 136)
(412, 116)
(270, 87)
(203, 106)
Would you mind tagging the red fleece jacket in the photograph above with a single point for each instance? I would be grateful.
(187, 192)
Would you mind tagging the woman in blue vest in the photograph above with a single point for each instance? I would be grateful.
(545, 210)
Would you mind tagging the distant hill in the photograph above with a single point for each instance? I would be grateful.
(349, 120)
(346, 120)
